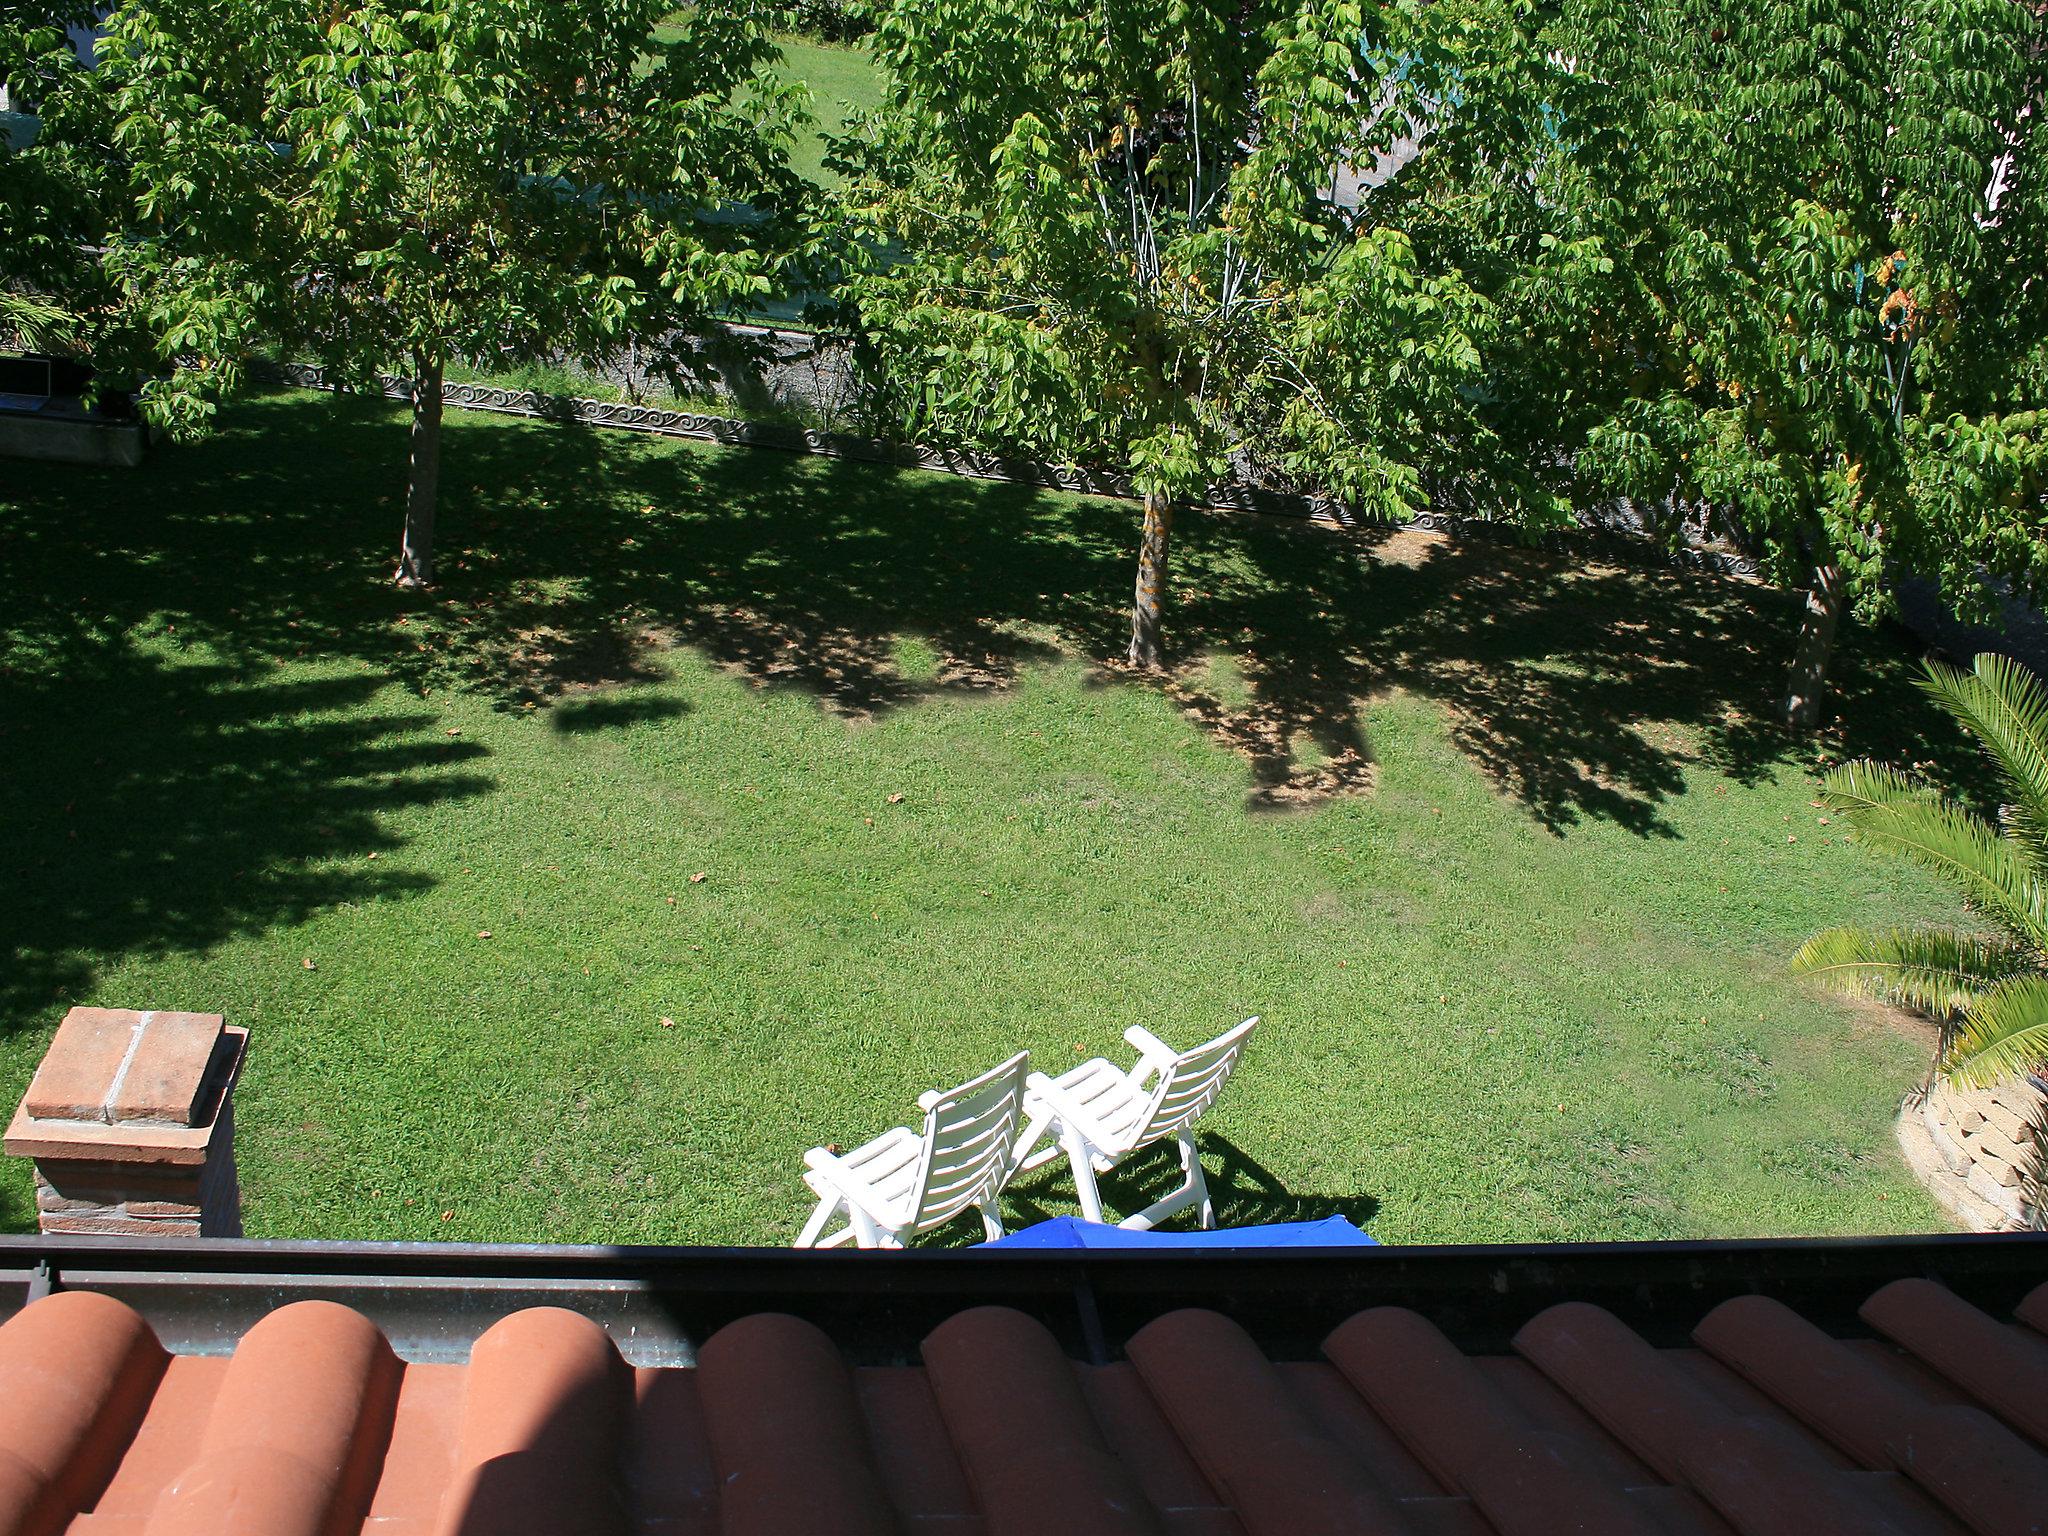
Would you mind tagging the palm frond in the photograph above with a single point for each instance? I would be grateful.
(2003, 705)
(1891, 811)
(32, 320)
(1937, 970)
(1855, 789)
(2004, 1035)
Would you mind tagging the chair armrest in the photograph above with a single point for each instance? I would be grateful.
(1070, 1113)
(833, 1170)
(1153, 1052)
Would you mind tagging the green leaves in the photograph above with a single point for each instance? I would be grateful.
(1939, 971)
(1996, 984)
(440, 178)
(1892, 812)
(2003, 705)
(1115, 235)
(2004, 1034)
(1798, 202)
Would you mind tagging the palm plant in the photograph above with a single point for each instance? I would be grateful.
(1990, 989)
(30, 320)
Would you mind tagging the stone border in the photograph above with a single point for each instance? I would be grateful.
(1621, 545)
(1979, 1152)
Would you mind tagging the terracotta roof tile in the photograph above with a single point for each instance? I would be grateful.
(786, 1433)
(1257, 1446)
(1338, 1410)
(1761, 1478)
(2033, 1311)
(912, 1454)
(1524, 1480)
(2003, 1367)
(297, 1432)
(1771, 1426)
(1820, 1380)
(543, 1422)
(76, 1373)
(1033, 1454)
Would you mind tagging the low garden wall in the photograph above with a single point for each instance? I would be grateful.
(71, 438)
(1979, 1151)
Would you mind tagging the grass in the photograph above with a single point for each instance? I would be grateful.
(1524, 980)
(842, 77)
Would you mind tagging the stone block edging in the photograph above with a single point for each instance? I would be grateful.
(1983, 1153)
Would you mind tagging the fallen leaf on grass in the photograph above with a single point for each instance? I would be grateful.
(668, 1023)
(308, 963)
(895, 799)
(699, 878)
(483, 933)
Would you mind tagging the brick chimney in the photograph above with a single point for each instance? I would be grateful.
(130, 1121)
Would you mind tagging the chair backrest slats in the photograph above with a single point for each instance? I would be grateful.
(1190, 1083)
(969, 1133)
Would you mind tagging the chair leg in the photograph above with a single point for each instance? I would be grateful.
(865, 1232)
(1084, 1177)
(1192, 1189)
(815, 1227)
(991, 1220)
(1198, 1182)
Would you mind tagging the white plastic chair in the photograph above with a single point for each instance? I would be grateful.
(1098, 1115)
(903, 1183)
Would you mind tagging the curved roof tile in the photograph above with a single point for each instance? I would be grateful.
(315, 1428)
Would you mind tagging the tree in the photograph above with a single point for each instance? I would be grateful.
(1116, 233)
(55, 186)
(1820, 229)
(395, 186)
(1993, 988)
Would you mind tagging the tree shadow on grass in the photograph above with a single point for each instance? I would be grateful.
(571, 557)
(1583, 689)
(154, 807)
(581, 717)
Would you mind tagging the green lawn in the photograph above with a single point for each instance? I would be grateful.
(842, 77)
(1529, 985)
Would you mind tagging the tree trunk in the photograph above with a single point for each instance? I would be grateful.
(1817, 629)
(423, 476)
(1151, 595)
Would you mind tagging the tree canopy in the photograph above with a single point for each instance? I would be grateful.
(389, 186)
(58, 198)
(1116, 233)
(1784, 260)
(1781, 269)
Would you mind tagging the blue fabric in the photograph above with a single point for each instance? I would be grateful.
(1072, 1232)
